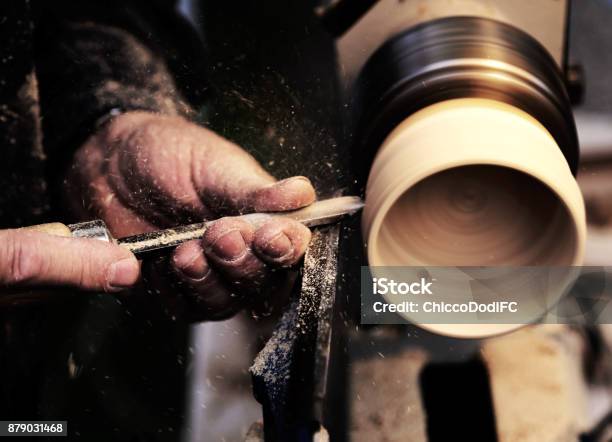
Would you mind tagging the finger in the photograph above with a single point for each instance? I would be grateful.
(230, 180)
(281, 242)
(189, 261)
(227, 245)
(34, 258)
(208, 295)
(288, 194)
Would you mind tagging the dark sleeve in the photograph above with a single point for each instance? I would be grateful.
(95, 57)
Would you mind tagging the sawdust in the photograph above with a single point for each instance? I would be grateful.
(319, 278)
(274, 361)
(314, 300)
(302, 338)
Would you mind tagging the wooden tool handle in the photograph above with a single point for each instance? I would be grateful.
(57, 229)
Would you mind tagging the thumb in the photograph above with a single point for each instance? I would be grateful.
(288, 194)
(231, 181)
(29, 258)
(253, 193)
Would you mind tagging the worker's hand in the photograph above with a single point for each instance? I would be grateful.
(143, 172)
(30, 259)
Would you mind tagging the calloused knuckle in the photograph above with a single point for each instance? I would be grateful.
(217, 229)
(89, 275)
(24, 262)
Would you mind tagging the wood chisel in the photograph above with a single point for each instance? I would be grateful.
(317, 214)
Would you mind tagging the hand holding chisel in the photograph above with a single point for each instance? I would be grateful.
(319, 213)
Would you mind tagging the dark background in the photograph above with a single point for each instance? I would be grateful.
(114, 370)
